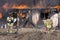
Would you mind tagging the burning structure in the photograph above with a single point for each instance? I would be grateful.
(31, 12)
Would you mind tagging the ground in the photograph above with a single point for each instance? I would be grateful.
(32, 34)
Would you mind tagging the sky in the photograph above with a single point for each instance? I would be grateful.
(29, 2)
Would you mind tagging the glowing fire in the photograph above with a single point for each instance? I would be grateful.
(24, 6)
(20, 6)
(58, 7)
(0, 15)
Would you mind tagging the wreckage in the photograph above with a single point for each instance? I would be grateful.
(31, 18)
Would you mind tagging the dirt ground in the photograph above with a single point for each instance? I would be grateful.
(32, 34)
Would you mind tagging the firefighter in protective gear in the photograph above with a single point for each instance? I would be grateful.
(48, 24)
(10, 24)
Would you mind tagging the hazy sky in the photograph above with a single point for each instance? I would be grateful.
(29, 2)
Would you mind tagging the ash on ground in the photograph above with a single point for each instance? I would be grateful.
(32, 34)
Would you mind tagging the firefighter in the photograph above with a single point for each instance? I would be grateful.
(10, 24)
(35, 18)
(48, 24)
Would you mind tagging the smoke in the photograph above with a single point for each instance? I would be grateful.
(31, 3)
(5, 4)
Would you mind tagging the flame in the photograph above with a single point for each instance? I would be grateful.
(22, 15)
(24, 6)
(0, 15)
(20, 6)
(58, 7)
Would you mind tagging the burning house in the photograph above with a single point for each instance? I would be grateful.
(33, 13)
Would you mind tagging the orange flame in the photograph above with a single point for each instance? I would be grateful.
(20, 6)
(0, 15)
(58, 7)
(24, 6)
